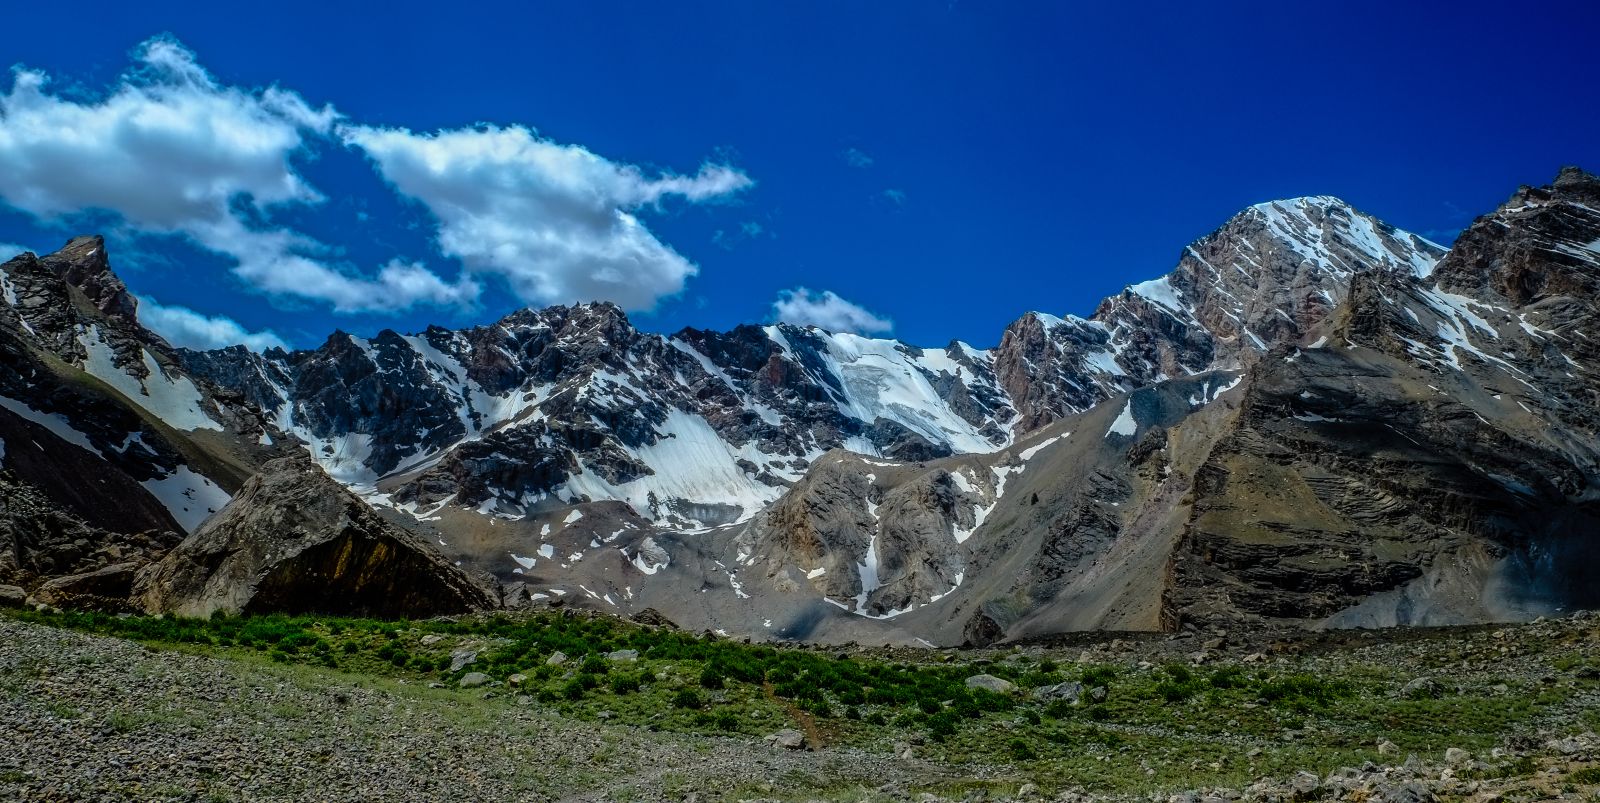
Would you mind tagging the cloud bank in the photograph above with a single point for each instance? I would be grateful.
(186, 328)
(555, 221)
(827, 310)
(171, 151)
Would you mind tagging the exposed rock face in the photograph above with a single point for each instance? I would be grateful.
(293, 541)
(1315, 419)
(1437, 462)
(1264, 278)
(1422, 451)
(108, 449)
(39, 540)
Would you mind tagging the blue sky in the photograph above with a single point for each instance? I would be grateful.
(930, 170)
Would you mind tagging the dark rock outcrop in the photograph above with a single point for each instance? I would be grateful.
(294, 541)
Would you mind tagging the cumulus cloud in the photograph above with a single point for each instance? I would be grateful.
(184, 327)
(895, 196)
(171, 151)
(555, 221)
(826, 310)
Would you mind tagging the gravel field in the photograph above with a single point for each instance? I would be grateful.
(89, 718)
(92, 718)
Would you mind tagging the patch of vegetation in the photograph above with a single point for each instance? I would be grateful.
(1135, 728)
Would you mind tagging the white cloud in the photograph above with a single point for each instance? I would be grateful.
(826, 310)
(555, 221)
(184, 327)
(895, 196)
(856, 158)
(9, 250)
(171, 151)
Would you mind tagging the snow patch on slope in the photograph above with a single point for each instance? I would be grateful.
(189, 497)
(174, 401)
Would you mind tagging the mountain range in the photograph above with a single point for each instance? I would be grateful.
(1315, 419)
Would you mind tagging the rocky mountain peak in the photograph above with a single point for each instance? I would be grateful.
(83, 263)
(1542, 244)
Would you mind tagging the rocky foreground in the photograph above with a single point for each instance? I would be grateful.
(88, 717)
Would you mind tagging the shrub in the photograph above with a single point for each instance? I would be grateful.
(712, 677)
(1020, 750)
(687, 698)
(1228, 677)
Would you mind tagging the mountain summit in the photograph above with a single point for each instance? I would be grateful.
(1314, 419)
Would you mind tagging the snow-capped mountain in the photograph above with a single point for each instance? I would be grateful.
(551, 407)
(1267, 276)
(1313, 418)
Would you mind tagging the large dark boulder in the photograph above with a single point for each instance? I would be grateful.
(294, 541)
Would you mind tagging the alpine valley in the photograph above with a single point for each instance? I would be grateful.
(1313, 420)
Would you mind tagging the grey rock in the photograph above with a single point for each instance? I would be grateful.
(293, 540)
(473, 680)
(462, 658)
(1070, 691)
(788, 739)
(623, 656)
(1422, 688)
(991, 683)
(12, 596)
(1408, 792)
(556, 658)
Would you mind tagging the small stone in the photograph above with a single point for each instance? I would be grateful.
(992, 683)
(1388, 748)
(1255, 658)
(473, 680)
(516, 680)
(556, 658)
(623, 656)
(432, 639)
(1456, 755)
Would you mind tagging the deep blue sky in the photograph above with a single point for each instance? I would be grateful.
(1041, 155)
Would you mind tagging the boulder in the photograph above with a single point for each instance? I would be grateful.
(788, 739)
(295, 541)
(107, 589)
(473, 680)
(653, 618)
(461, 658)
(13, 597)
(556, 658)
(1422, 689)
(623, 656)
(1071, 691)
(992, 683)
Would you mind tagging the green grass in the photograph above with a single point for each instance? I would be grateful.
(1156, 728)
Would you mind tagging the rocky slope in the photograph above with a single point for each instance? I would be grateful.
(109, 449)
(1315, 418)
